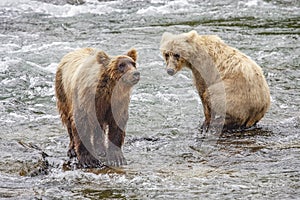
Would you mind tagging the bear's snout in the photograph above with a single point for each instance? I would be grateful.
(136, 75)
(131, 78)
(170, 71)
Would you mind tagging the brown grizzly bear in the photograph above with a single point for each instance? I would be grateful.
(232, 87)
(93, 94)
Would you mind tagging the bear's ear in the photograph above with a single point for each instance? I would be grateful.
(103, 58)
(166, 36)
(192, 35)
(133, 54)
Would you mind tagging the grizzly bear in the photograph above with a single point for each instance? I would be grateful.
(93, 94)
(231, 86)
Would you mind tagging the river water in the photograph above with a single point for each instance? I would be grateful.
(165, 160)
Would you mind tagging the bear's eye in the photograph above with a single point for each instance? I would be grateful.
(176, 56)
(167, 56)
(122, 67)
(133, 64)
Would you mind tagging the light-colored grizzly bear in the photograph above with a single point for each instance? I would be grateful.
(93, 94)
(232, 87)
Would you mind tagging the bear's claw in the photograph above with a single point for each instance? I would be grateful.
(115, 158)
(205, 126)
(89, 161)
(72, 153)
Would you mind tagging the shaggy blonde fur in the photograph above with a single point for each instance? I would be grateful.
(229, 83)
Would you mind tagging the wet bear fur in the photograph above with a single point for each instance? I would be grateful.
(93, 95)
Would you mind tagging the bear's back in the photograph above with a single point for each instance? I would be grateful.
(229, 60)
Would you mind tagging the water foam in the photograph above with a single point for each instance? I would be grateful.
(170, 7)
(253, 3)
(67, 10)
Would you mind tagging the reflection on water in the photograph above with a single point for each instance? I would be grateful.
(167, 158)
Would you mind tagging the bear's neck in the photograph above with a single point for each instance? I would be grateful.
(112, 98)
(207, 69)
(199, 81)
(108, 87)
(205, 73)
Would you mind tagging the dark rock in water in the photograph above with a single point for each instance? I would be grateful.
(63, 2)
(76, 2)
(35, 169)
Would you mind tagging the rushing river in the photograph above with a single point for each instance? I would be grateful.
(165, 160)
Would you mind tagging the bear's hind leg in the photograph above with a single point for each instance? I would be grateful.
(71, 152)
(232, 124)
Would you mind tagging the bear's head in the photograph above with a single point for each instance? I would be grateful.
(121, 68)
(177, 50)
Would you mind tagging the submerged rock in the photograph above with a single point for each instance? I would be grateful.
(41, 167)
(76, 2)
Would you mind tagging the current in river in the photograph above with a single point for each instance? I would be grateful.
(165, 113)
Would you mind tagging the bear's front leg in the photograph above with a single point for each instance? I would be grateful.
(207, 110)
(99, 136)
(86, 159)
(114, 155)
(205, 126)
